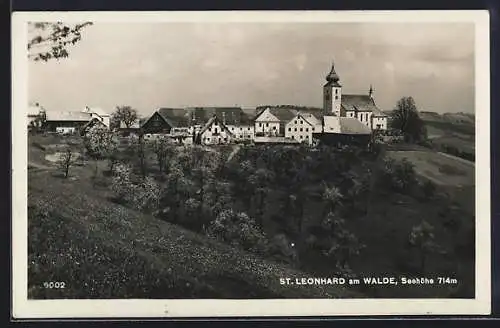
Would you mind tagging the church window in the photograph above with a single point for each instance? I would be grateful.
(289, 129)
(336, 91)
(336, 97)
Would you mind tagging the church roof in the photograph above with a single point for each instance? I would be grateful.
(362, 103)
(351, 125)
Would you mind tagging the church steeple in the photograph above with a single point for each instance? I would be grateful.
(332, 76)
(370, 93)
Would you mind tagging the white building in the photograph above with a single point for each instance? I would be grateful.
(271, 121)
(361, 107)
(302, 127)
(99, 114)
(214, 133)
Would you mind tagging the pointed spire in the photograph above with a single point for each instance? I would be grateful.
(370, 93)
(332, 76)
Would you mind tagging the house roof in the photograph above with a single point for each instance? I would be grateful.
(360, 103)
(213, 119)
(95, 110)
(312, 119)
(230, 115)
(175, 117)
(67, 116)
(351, 125)
(91, 123)
(283, 114)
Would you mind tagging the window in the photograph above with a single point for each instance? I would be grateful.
(289, 129)
(295, 129)
(295, 122)
(300, 129)
(232, 128)
(260, 125)
(216, 131)
(300, 136)
(313, 129)
(379, 126)
(274, 128)
(301, 122)
(307, 129)
(248, 137)
(293, 137)
(267, 125)
(241, 129)
(248, 129)
(336, 91)
(336, 97)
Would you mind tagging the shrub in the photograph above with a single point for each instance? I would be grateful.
(143, 195)
(237, 229)
(399, 175)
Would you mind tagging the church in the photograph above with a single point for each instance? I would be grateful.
(361, 107)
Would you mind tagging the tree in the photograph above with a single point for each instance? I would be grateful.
(50, 40)
(125, 114)
(101, 143)
(422, 238)
(162, 150)
(66, 159)
(406, 119)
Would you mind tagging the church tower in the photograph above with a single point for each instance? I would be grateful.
(332, 93)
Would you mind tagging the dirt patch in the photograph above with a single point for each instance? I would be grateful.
(53, 158)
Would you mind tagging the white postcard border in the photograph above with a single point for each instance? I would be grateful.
(24, 308)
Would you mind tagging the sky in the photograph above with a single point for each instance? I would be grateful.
(152, 65)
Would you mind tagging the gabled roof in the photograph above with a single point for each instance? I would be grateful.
(95, 110)
(360, 103)
(175, 117)
(213, 119)
(67, 116)
(284, 115)
(351, 125)
(312, 119)
(231, 115)
(91, 123)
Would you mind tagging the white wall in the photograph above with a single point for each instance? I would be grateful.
(365, 118)
(382, 121)
(299, 129)
(242, 132)
(215, 134)
(267, 123)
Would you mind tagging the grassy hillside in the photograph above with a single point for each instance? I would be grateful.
(104, 250)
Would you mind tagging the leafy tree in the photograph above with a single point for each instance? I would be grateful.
(237, 229)
(162, 149)
(338, 243)
(101, 143)
(50, 40)
(423, 239)
(125, 114)
(65, 161)
(406, 119)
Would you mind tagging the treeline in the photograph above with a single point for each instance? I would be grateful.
(292, 204)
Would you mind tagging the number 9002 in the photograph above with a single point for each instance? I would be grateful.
(54, 284)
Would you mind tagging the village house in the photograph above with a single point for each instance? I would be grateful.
(302, 127)
(271, 121)
(234, 118)
(98, 114)
(215, 132)
(35, 115)
(361, 107)
(65, 122)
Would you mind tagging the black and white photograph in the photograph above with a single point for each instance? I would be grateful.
(250, 163)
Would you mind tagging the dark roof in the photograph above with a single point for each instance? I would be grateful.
(175, 117)
(283, 114)
(229, 115)
(360, 103)
(351, 125)
(213, 119)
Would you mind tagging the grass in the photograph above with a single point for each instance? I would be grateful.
(103, 250)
